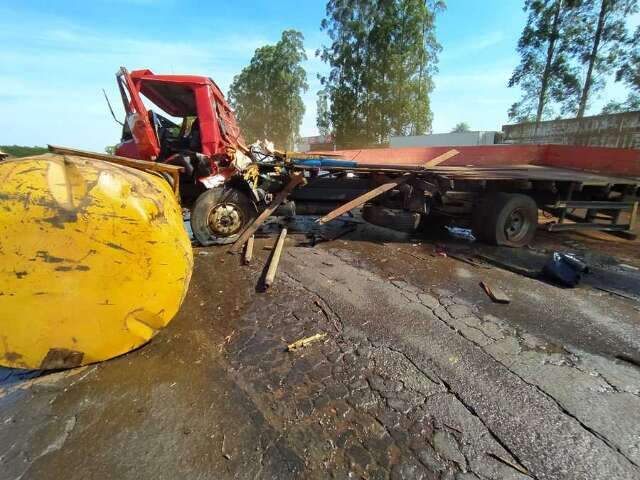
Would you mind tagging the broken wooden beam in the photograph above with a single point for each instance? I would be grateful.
(275, 259)
(296, 180)
(495, 294)
(362, 199)
(441, 158)
(303, 342)
(248, 250)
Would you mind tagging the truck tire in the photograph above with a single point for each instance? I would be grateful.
(400, 220)
(219, 216)
(509, 219)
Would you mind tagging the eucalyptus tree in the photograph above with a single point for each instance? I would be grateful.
(546, 73)
(267, 94)
(606, 45)
(382, 57)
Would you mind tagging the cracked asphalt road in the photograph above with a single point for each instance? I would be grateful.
(420, 376)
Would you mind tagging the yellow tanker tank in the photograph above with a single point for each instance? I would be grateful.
(94, 260)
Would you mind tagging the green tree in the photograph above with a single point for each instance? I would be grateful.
(323, 114)
(22, 151)
(546, 73)
(383, 55)
(606, 40)
(267, 94)
(461, 128)
(629, 74)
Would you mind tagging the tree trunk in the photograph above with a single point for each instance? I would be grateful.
(547, 68)
(592, 58)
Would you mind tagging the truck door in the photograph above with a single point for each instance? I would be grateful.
(145, 141)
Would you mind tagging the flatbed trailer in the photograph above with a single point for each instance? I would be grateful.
(483, 188)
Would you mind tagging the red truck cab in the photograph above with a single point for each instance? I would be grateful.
(206, 129)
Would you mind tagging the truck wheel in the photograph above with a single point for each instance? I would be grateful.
(509, 219)
(219, 216)
(400, 220)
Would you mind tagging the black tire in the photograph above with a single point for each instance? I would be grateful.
(508, 219)
(219, 216)
(400, 220)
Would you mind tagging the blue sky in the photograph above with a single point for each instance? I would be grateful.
(56, 56)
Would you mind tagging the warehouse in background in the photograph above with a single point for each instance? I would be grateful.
(618, 130)
(317, 143)
(446, 139)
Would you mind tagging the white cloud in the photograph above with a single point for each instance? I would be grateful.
(464, 46)
(51, 78)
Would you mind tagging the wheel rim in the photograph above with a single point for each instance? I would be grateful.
(516, 225)
(225, 219)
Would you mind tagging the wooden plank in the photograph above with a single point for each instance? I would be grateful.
(296, 180)
(441, 158)
(356, 202)
(127, 162)
(248, 251)
(634, 214)
(495, 293)
(275, 259)
(303, 342)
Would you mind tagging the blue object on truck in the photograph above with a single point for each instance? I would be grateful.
(324, 163)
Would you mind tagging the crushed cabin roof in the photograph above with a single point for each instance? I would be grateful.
(173, 93)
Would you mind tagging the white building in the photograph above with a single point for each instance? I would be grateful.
(445, 139)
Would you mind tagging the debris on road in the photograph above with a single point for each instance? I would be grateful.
(275, 259)
(303, 342)
(296, 179)
(461, 233)
(469, 260)
(565, 269)
(248, 250)
(495, 294)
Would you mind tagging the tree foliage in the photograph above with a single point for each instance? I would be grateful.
(604, 43)
(568, 49)
(461, 128)
(266, 95)
(323, 113)
(22, 151)
(546, 73)
(383, 54)
(628, 73)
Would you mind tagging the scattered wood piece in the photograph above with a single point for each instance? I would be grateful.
(296, 179)
(513, 465)
(495, 293)
(474, 262)
(303, 342)
(441, 158)
(248, 250)
(329, 315)
(275, 259)
(362, 199)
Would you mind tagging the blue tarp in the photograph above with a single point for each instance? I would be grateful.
(324, 163)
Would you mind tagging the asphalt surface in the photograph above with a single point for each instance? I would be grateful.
(420, 375)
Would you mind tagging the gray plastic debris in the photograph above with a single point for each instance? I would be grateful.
(565, 269)
(461, 233)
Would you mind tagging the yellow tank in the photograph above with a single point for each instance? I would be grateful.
(94, 260)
